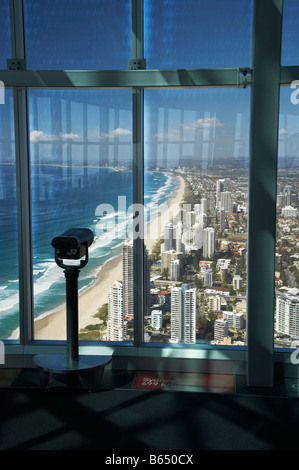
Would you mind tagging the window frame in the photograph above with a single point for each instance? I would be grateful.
(258, 359)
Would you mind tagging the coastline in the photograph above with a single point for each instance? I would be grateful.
(53, 326)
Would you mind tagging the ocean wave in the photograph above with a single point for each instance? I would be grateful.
(36, 272)
(9, 303)
(52, 274)
(105, 247)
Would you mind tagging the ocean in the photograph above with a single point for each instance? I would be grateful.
(65, 197)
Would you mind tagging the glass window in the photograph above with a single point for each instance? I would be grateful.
(81, 146)
(197, 33)
(287, 230)
(196, 185)
(4, 34)
(290, 40)
(9, 284)
(72, 34)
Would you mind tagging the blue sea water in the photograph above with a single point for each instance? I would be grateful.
(65, 197)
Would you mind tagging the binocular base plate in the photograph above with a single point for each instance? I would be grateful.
(89, 369)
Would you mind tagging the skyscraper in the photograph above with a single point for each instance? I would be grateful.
(220, 330)
(190, 218)
(204, 206)
(146, 283)
(175, 270)
(115, 325)
(157, 319)
(198, 235)
(226, 201)
(176, 315)
(128, 279)
(222, 220)
(183, 315)
(220, 188)
(287, 312)
(169, 237)
(208, 242)
(189, 328)
(208, 278)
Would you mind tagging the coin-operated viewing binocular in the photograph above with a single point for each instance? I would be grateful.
(69, 246)
(72, 245)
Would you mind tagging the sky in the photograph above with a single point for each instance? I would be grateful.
(178, 34)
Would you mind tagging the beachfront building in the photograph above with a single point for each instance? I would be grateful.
(287, 312)
(176, 315)
(183, 315)
(169, 237)
(189, 305)
(115, 324)
(128, 280)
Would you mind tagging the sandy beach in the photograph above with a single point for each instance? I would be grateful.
(53, 326)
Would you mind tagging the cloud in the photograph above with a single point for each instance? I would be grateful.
(283, 131)
(39, 136)
(198, 127)
(208, 122)
(119, 132)
(70, 136)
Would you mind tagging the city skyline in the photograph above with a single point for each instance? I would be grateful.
(203, 247)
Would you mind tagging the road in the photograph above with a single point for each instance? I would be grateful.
(288, 274)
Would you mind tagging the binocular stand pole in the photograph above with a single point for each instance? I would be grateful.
(71, 275)
(89, 368)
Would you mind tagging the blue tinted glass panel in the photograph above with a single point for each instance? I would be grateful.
(81, 154)
(72, 34)
(5, 52)
(9, 276)
(196, 178)
(290, 39)
(287, 204)
(198, 33)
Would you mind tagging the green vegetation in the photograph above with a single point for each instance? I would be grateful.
(189, 197)
(102, 314)
(94, 332)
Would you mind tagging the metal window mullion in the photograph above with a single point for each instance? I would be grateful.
(124, 79)
(137, 29)
(16, 9)
(138, 199)
(24, 217)
(262, 191)
(138, 172)
(22, 178)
